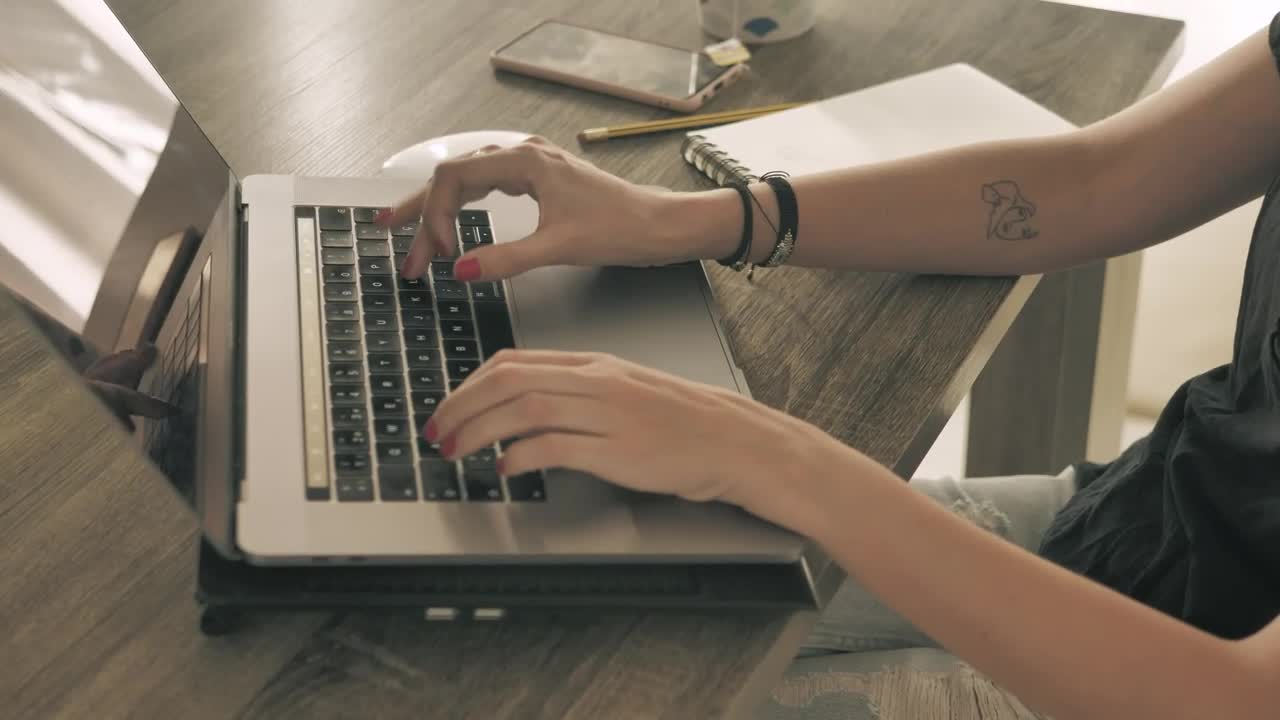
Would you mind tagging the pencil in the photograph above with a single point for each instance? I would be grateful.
(681, 123)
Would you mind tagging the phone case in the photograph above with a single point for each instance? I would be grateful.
(688, 104)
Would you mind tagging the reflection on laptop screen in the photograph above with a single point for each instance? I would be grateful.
(99, 167)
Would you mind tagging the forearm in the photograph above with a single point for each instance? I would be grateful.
(1161, 167)
(1062, 643)
(1005, 208)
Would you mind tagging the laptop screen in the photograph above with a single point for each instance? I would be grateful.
(104, 177)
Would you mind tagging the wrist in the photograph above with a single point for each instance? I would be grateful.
(703, 225)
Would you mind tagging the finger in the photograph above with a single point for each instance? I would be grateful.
(496, 262)
(457, 182)
(502, 386)
(585, 453)
(530, 414)
(532, 357)
(124, 367)
(148, 406)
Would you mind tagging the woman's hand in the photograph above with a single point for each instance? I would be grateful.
(586, 215)
(644, 430)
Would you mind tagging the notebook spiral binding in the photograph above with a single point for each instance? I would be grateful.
(711, 161)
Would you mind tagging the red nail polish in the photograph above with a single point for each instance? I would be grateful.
(382, 217)
(466, 269)
(430, 431)
(447, 446)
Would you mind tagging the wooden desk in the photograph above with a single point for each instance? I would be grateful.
(97, 557)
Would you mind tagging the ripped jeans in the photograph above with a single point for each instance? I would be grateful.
(864, 662)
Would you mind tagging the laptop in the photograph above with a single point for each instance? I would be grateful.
(303, 363)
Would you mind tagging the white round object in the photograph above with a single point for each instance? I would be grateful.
(419, 161)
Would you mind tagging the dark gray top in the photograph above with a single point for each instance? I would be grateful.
(1187, 520)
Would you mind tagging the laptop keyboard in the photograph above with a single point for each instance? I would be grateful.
(394, 348)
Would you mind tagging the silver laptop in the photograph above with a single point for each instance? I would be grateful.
(303, 363)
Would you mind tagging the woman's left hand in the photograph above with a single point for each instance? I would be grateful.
(642, 429)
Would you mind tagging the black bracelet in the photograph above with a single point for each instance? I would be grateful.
(788, 218)
(738, 259)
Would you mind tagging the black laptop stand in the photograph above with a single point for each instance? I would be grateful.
(227, 589)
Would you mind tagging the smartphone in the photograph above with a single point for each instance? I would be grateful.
(646, 72)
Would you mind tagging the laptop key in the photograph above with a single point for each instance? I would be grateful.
(342, 330)
(382, 342)
(473, 217)
(419, 318)
(384, 362)
(351, 463)
(335, 218)
(414, 299)
(364, 215)
(375, 284)
(429, 449)
(394, 454)
(340, 292)
(373, 248)
(422, 357)
(411, 283)
(341, 311)
(441, 270)
(419, 338)
(528, 487)
(355, 488)
(408, 230)
(486, 235)
(382, 385)
(401, 243)
(483, 485)
(381, 322)
(391, 429)
(375, 266)
(467, 236)
(350, 439)
(426, 379)
(349, 372)
(457, 328)
(346, 394)
(486, 292)
(460, 349)
(396, 483)
(439, 480)
(353, 416)
(335, 239)
(484, 456)
(494, 325)
(450, 290)
(340, 350)
(460, 369)
(374, 302)
(425, 403)
(369, 231)
(339, 273)
(454, 309)
(337, 256)
(384, 407)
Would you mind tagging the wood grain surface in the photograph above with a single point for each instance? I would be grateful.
(96, 615)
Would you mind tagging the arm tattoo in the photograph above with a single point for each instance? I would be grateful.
(1011, 213)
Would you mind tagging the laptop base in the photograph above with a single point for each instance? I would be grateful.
(227, 590)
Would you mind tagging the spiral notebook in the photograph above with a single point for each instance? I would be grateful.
(937, 109)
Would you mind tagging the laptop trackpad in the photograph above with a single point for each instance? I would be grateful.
(656, 317)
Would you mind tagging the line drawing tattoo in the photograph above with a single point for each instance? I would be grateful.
(1011, 213)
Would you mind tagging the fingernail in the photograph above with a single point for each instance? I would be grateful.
(383, 216)
(430, 431)
(466, 269)
(447, 446)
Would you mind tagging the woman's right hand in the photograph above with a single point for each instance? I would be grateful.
(586, 215)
